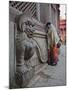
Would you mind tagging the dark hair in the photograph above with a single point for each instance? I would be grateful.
(48, 23)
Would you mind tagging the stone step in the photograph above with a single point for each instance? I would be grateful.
(36, 77)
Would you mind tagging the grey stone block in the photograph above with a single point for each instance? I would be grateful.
(23, 75)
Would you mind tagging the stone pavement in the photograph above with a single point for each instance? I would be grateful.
(47, 75)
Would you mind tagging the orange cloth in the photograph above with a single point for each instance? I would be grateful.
(55, 53)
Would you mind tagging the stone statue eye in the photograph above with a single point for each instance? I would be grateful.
(26, 23)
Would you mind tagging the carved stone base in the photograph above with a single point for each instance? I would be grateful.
(23, 75)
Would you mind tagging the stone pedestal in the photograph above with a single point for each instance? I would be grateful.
(23, 75)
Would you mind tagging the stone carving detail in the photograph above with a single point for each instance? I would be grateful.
(24, 51)
(26, 46)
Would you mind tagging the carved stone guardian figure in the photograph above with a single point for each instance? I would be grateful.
(24, 51)
(28, 39)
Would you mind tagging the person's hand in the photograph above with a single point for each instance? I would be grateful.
(58, 44)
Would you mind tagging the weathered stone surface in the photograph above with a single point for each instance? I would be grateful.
(31, 49)
(11, 55)
(23, 75)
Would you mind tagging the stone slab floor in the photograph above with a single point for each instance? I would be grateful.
(48, 75)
